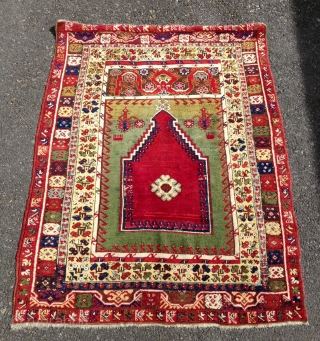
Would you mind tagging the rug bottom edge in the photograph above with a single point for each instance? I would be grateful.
(19, 326)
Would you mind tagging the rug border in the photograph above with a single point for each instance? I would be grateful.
(28, 201)
(295, 221)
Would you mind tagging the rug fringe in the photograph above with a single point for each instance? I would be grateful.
(19, 326)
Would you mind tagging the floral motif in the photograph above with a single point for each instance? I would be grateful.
(184, 71)
(149, 87)
(188, 123)
(179, 86)
(202, 90)
(144, 72)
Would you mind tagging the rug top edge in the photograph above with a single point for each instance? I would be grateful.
(63, 25)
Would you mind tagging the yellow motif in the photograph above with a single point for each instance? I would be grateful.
(74, 48)
(263, 154)
(42, 150)
(57, 181)
(65, 111)
(245, 299)
(273, 228)
(68, 91)
(48, 253)
(118, 297)
(248, 45)
(254, 89)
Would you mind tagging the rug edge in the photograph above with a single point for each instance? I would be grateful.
(290, 182)
(39, 325)
(62, 26)
(23, 228)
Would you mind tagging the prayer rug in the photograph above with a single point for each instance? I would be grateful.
(161, 190)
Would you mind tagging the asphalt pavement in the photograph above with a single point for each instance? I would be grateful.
(26, 50)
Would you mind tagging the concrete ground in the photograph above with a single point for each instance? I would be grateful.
(26, 50)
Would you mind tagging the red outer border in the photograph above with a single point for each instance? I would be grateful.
(32, 183)
(295, 222)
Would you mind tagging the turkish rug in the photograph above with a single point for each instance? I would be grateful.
(161, 190)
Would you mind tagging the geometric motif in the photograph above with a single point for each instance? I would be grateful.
(166, 188)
